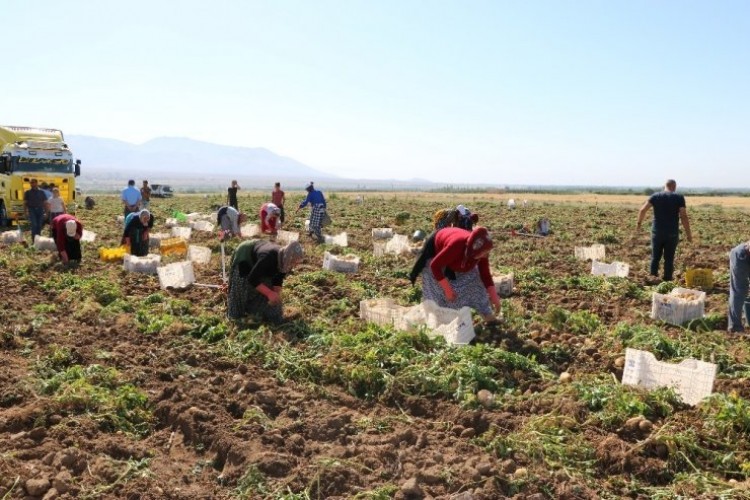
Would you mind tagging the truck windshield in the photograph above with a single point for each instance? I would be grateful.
(51, 165)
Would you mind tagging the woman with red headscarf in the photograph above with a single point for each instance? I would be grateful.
(457, 271)
(269, 218)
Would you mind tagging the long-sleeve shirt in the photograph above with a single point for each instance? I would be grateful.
(257, 260)
(229, 219)
(450, 252)
(268, 223)
(58, 229)
(314, 198)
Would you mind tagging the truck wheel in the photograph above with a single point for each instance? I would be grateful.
(3, 215)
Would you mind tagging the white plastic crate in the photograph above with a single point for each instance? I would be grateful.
(182, 232)
(88, 236)
(250, 231)
(382, 233)
(194, 216)
(339, 240)
(155, 239)
(399, 244)
(199, 254)
(678, 306)
(11, 237)
(382, 312)
(286, 237)
(618, 269)
(504, 284)
(594, 252)
(201, 225)
(146, 264)
(342, 263)
(44, 244)
(177, 275)
(692, 379)
(454, 325)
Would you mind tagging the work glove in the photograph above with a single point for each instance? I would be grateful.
(450, 294)
(494, 299)
(273, 297)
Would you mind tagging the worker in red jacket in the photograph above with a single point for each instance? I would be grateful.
(456, 271)
(269, 218)
(67, 232)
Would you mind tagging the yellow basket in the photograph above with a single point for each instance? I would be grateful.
(112, 254)
(699, 278)
(176, 246)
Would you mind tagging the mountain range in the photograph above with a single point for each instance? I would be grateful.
(188, 163)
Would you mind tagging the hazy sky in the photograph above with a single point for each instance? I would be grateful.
(511, 92)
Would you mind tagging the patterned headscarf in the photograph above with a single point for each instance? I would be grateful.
(478, 241)
(445, 217)
(289, 256)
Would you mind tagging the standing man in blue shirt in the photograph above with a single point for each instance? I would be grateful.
(318, 211)
(131, 198)
(669, 210)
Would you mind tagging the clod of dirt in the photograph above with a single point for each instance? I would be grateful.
(565, 377)
(645, 425)
(37, 487)
(411, 488)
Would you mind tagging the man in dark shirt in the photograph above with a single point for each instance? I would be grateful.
(232, 195)
(669, 210)
(34, 203)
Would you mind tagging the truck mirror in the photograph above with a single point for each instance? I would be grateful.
(78, 168)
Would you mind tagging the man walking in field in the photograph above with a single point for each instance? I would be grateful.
(669, 210)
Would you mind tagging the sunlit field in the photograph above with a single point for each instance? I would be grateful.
(111, 387)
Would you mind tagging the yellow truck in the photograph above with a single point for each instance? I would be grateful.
(33, 153)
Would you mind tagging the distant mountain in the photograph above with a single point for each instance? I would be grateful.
(176, 156)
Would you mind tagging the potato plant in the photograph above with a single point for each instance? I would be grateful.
(110, 386)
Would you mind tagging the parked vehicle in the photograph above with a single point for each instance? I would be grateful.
(161, 191)
(33, 153)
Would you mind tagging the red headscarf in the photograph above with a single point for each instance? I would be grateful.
(478, 241)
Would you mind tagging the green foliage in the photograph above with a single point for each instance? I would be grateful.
(208, 327)
(730, 413)
(580, 322)
(252, 484)
(98, 392)
(102, 290)
(665, 287)
(551, 440)
(152, 323)
(613, 403)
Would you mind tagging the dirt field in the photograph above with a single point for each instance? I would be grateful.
(113, 388)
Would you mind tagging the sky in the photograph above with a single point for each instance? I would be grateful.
(605, 92)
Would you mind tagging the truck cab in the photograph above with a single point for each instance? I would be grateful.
(161, 191)
(33, 153)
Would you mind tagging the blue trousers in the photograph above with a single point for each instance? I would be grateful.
(739, 280)
(666, 245)
(36, 220)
